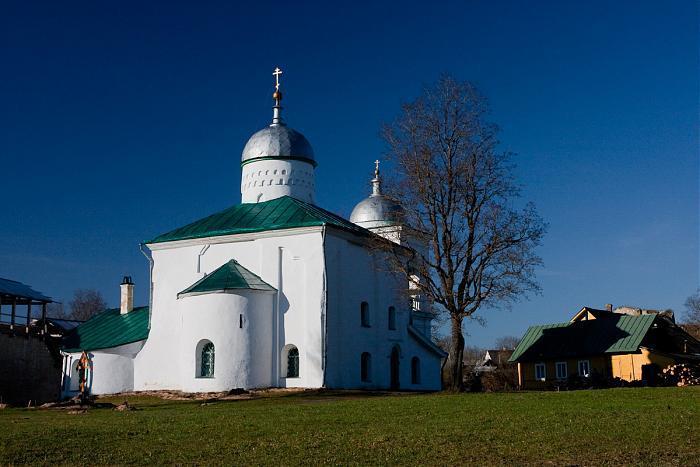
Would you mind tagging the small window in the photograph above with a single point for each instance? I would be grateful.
(415, 370)
(364, 314)
(293, 362)
(365, 367)
(540, 372)
(392, 318)
(562, 370)
(240, 321)
(284, 172)
(206, 365)
(584, 368)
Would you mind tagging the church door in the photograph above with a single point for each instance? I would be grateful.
(395, 368)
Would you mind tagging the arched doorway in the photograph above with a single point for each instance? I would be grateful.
(395, 368)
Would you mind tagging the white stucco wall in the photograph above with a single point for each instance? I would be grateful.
(111, 370)
(290, 260)
(263, 180)
(354, 277)
(243, 355)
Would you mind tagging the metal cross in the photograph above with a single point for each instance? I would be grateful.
(277, 74)
(376, 167)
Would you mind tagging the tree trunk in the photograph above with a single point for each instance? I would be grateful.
(453, 370)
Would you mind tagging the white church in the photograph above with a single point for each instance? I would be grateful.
(272, 292)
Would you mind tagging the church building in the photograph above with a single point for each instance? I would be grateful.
(272, 292)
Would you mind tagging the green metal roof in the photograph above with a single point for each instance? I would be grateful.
(280, 213)
(231, 276)
(108, 329)
(617, 333)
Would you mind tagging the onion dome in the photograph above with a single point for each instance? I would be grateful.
(378, 210)
(278, 141)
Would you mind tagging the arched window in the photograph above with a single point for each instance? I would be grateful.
(415, 370)
(392, 318)
(366, 367)
(364, 314)
(292, 362)
(206, 359)
(289, 361)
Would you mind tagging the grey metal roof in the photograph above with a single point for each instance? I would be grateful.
(20, 290)
(278, 141)
(376, 211)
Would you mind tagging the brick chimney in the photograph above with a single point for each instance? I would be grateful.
(127, 295)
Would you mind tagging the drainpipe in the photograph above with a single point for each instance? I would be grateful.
(149, 256)
(278, 317)
(199, 258)
(324, 308)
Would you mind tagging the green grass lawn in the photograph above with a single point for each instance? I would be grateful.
(618, 426)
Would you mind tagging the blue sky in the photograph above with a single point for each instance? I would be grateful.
(123, 120)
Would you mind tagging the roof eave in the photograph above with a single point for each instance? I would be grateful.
(232, 291)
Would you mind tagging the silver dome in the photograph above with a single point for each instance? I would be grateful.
(377, 210)
(278, 141)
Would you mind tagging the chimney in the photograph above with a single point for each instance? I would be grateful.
(608, 307)
(127, 295)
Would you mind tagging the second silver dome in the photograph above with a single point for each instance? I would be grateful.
(376, 211)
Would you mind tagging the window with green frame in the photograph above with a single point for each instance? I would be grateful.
(293, 363)
(207, 361)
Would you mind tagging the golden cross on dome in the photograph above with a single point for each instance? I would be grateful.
(277, 74)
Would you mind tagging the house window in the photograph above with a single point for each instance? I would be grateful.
(415, 370)
(365, 367)
(562, 370)
(392, 318)
(206, 360)
(291, 359)
(364, 314)
(584, 368)
(540, 372)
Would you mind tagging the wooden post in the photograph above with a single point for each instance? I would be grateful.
(43, 318)
(29, 316)
(14, 313)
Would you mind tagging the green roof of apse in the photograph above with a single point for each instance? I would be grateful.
(615, 333)
(280, 213)
(231, 276)
(108, 329)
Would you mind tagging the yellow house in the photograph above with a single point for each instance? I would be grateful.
(630, 344)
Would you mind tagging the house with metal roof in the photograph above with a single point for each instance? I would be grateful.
(626, 343)
(272, 292)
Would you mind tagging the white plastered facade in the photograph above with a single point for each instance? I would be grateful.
(321, 277)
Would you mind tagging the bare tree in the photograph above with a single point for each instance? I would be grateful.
(56, 310)
(507, 342)
(459, 197)
(692, 315)
(692, 308)
(86, 303)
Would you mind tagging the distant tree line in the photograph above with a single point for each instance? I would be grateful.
(691, 323)
(83, 306)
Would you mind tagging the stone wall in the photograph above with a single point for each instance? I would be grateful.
(30, 369)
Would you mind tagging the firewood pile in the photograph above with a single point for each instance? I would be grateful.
(681, 374)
